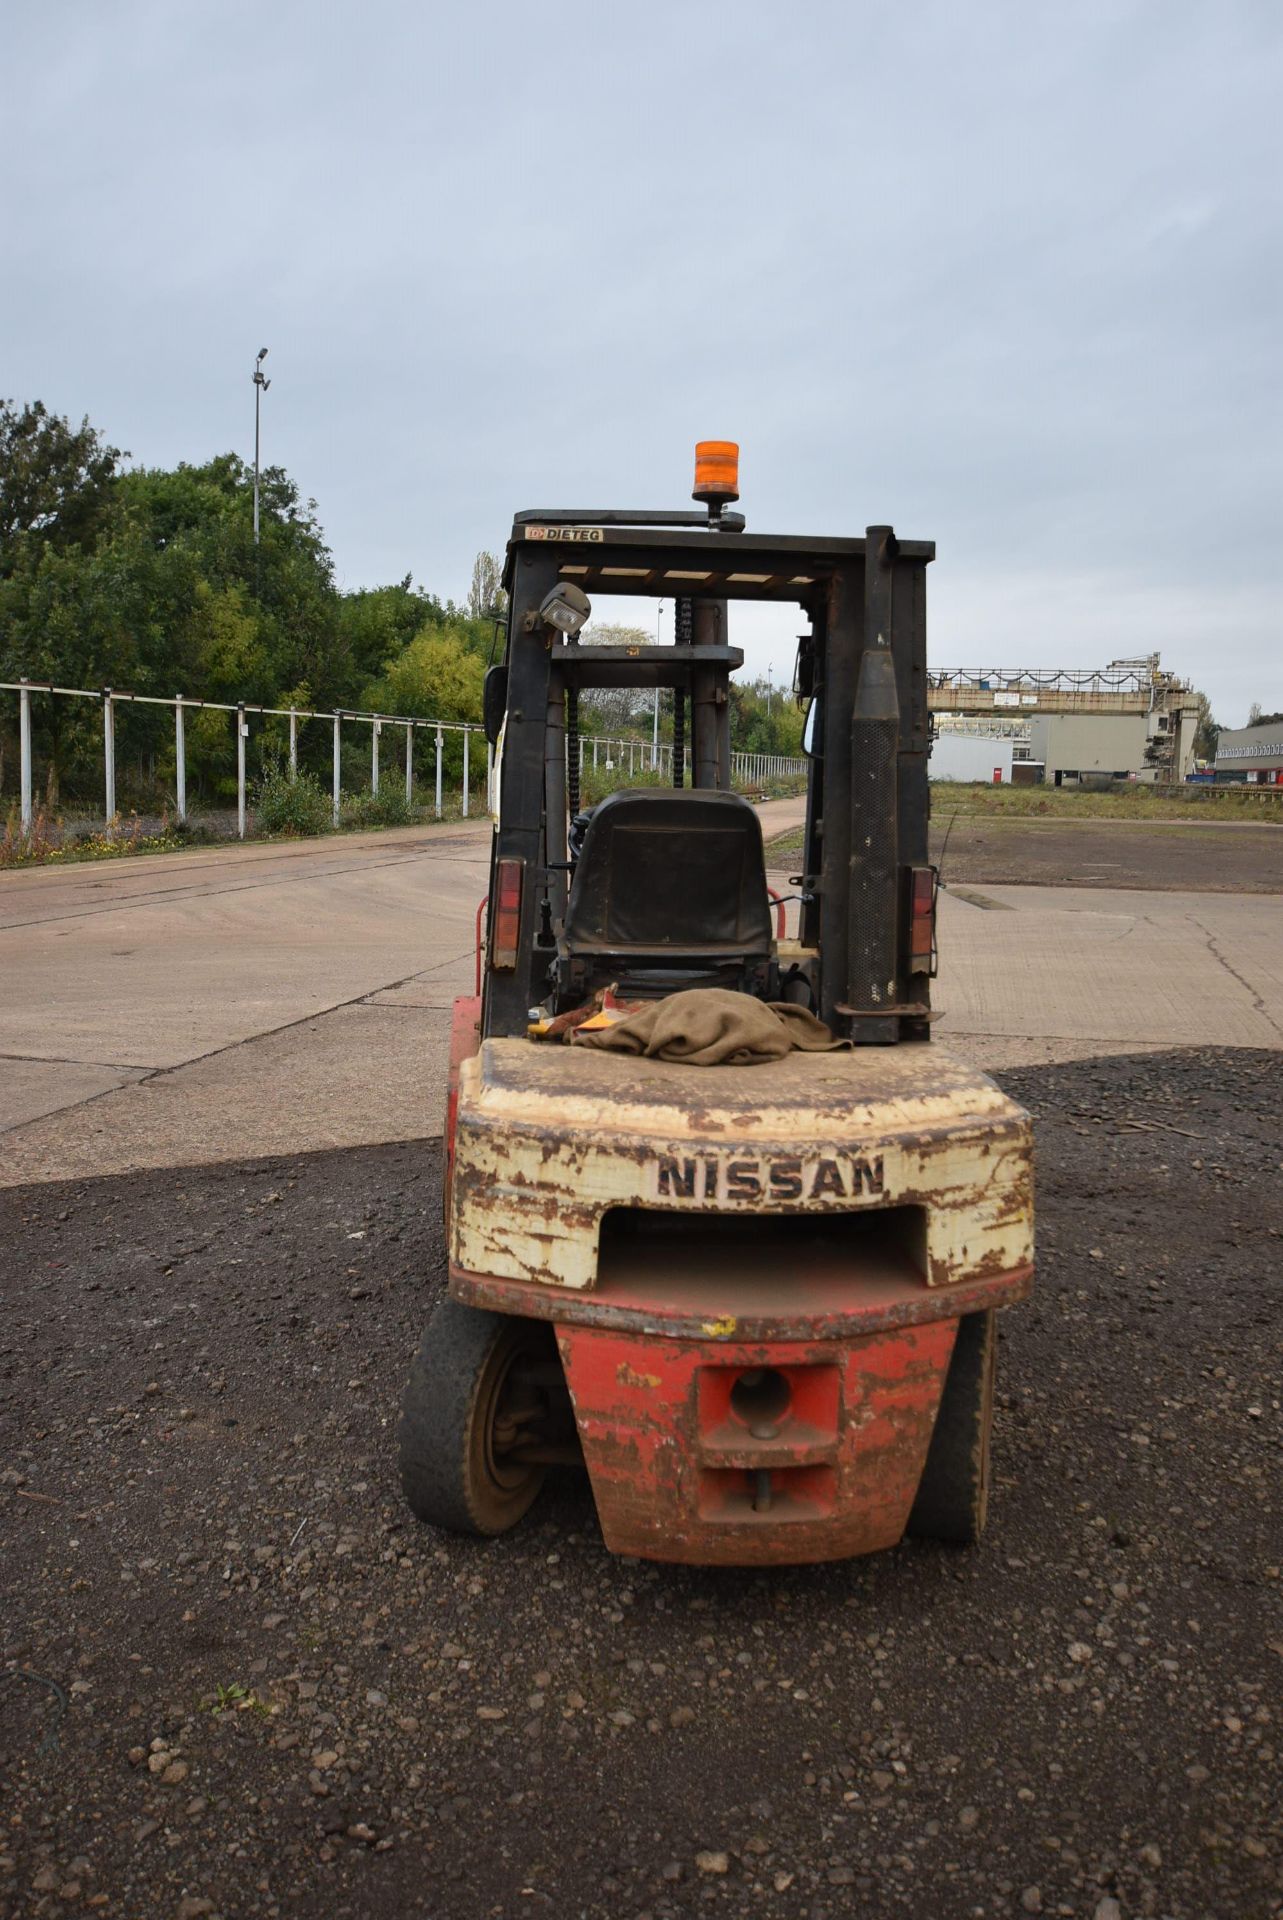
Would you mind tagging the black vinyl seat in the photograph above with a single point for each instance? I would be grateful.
(669, 891)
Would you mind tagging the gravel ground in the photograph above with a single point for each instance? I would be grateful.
(238, 1678)
(1170, 856)
(1167, 856)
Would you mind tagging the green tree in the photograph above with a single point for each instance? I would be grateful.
(439, 676)
(149, 581)
(269, 616)
(378, 623)
(485, 593)
(764, 719)
(615, 710)
(1207, 732)
(55, 480)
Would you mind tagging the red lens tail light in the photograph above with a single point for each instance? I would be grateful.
(505, 924)
(922, 919)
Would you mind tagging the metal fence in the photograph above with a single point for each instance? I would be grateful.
(747, 769)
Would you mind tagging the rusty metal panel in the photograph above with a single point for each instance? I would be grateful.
(717, 1293)
(680, 1472)
(550, 1139)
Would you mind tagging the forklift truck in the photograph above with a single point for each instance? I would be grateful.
(758, 1303)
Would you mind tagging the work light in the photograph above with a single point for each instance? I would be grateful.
(566, 608)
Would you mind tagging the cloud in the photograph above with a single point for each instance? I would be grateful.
(1009, 278)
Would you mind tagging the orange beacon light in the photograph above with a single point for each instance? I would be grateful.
(717, 472)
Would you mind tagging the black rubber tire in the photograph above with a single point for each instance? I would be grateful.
(449, 1473)
(953, 1496)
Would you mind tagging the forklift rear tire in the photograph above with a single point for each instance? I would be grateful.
(954, 1493)
(462, 1416)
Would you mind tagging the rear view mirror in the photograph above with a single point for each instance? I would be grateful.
(494, 701)
(812, 732)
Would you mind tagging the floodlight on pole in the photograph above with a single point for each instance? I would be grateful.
(654, 732)
(261, 384)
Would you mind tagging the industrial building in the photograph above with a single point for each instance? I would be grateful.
(972, 755)
(1251, 756)
(1073, 747)
(1064, 727)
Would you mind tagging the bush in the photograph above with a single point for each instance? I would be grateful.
(44, 842)
(292, 803)
(385, 809)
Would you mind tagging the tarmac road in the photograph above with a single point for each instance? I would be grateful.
(248, 1684)
(205, 1005)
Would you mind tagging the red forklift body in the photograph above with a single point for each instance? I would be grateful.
(757, 1302)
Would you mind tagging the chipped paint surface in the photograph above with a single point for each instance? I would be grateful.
(628, 1376)
(676, 1474)
(549, 1139)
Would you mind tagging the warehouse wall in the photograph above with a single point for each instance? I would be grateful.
(1089, 742)
(969, 756)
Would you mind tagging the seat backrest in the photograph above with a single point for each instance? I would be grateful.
(670, 874)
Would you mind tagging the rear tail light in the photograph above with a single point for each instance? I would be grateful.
(505, 924)
(922, 919)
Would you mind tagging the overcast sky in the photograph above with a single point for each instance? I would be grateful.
(1006, 275)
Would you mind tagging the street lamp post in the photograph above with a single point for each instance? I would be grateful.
(654, 732)
(261, 384)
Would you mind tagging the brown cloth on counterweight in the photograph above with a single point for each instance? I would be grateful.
(713, 1027)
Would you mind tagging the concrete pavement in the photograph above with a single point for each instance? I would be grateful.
(1108, 970)
(230, 1002)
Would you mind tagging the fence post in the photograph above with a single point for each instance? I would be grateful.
(24, 751)
(409, 763)
(337, 797)
(467, 735)
(374, 760)
(438, 773)
(180, 757)
(594, 753)
(109, 755)
(242, 728)
(293, 743)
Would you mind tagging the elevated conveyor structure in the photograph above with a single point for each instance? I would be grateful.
(1125, 688)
